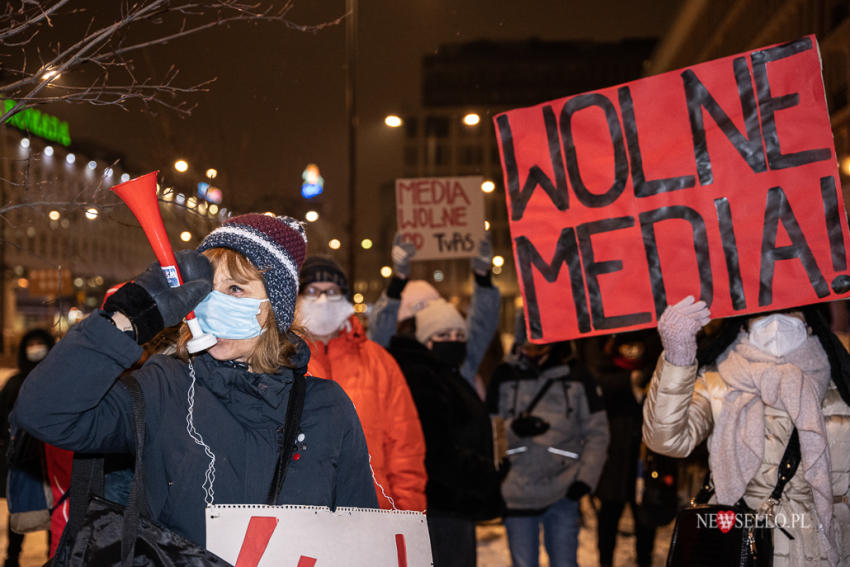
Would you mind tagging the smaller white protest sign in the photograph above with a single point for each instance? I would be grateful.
(442, 216)
(254, 535)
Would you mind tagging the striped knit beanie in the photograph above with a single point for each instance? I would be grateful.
(274, 245)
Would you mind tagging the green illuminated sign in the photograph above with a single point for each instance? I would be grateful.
(39, 123)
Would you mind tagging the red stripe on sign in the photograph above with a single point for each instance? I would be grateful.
(402, 550)
(260, 530)
(305, 561)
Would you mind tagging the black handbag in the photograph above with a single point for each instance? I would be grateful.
(713, 535)
(103, 533)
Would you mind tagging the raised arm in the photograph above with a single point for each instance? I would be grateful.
(70, 399)
(483, 319)
(676, 418)
(384, 318)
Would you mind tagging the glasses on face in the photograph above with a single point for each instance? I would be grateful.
(314, 293)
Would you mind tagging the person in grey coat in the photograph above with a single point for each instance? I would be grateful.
(557, 439)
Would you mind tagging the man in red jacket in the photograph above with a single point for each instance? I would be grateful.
(340, 351)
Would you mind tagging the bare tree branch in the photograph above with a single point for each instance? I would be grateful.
(102, 50)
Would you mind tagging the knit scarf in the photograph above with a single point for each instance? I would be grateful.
(795, 383)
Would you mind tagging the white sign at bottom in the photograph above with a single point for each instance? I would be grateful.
(252, 535)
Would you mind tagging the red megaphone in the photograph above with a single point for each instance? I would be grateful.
(140, 195)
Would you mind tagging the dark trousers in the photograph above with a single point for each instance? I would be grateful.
(13, 551)
(452, 541)
(607, 520)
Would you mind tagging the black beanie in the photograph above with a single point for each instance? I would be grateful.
(319, 269)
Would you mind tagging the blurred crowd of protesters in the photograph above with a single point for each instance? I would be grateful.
(458, 429)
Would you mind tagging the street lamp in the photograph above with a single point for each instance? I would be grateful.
(181, 165)
(185, 236)
(488, 186)
(311, 216)
(471, 119)
(393, 121)
(211, 173)
(334, 244)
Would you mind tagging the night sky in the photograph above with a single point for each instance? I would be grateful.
(278, 101)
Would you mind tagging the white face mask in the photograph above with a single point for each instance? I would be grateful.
(323, 317)
(778, 334)
(36, 352)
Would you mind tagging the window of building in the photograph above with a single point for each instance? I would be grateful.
(437, 126)
(411, 156)
(471, 155)
(411, 127)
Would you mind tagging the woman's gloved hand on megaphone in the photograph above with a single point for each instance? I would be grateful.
(151, 304)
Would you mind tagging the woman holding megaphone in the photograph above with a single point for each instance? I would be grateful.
(215, 420)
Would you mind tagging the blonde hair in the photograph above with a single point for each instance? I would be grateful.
(274, 348)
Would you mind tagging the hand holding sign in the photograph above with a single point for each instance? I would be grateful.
(481, 263)
(678, 327)
(402, 253)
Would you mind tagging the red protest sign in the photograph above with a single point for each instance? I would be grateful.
(718, 181)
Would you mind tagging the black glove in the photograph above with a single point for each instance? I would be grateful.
(151, 304)
(577, 490)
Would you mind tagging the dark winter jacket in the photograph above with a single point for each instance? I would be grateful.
(72, 400)
(573, 448)
(462, 478)
(9, 394)
(624, 421)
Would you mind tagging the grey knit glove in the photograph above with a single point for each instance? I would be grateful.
(482, 263)
(402, 253)
(678, 327)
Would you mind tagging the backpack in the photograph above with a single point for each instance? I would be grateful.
(28, 492)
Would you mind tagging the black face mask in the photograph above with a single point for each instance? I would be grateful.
(451, 352)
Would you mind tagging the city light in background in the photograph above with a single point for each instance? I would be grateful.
(181, 165)
(845, 165)
(488, 186)
(393, 121)
(334, 244)
(211, 173)
(471, 119)
(91, 213)
(54, 215)
(366, 243)
(386, 271)
(311, 216)
(185, 236)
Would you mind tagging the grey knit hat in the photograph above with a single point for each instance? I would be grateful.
(274, 245)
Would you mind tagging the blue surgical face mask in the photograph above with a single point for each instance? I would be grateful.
(228, 317)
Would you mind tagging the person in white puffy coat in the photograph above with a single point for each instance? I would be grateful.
(745, 392)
